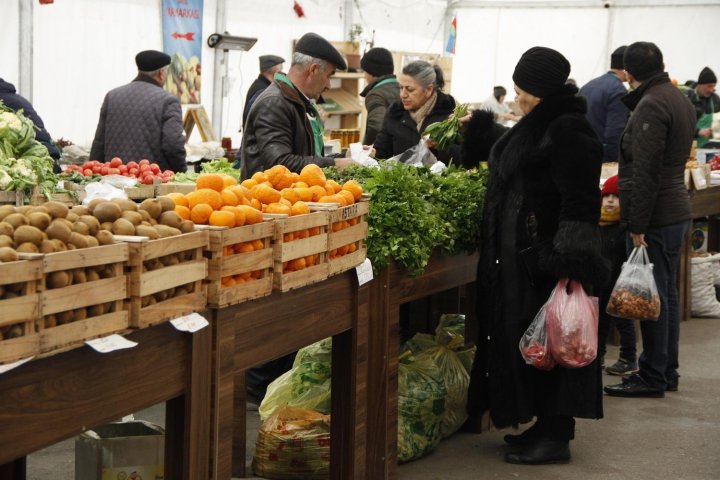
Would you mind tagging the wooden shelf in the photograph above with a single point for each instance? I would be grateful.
(348, 103)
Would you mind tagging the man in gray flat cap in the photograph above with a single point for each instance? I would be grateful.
(141, 120)
(283, 126)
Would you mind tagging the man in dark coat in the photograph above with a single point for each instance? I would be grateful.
(283, 126)
(606, 112)
(141, 120)
(655, 206)
(13, 100)
(540, 224)
(269, 66)
(706, 103)
(382, 89)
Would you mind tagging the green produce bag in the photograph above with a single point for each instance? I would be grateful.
(421, 405)
(293, 443)
(306, 384)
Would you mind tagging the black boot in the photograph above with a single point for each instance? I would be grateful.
(527, 437)
(541, 452)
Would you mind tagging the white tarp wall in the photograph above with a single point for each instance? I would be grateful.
(83, 48)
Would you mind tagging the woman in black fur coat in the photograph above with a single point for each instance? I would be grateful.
(543, 199)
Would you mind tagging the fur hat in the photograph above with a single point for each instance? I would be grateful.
(707, 76)
(378, 62)
(316, 46)
(269, 61)
(610, 187)
(151, 60)
(616, 59)
(541, 71)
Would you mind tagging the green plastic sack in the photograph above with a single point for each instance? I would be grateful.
(421, 405)
(306, 384)
(293, 443)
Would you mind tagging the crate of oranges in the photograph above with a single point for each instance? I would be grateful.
(240, 261)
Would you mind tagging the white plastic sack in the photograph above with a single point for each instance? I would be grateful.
(702, 289)
(102, 190)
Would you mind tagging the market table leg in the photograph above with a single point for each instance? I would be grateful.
(14, 470)
(223, 391)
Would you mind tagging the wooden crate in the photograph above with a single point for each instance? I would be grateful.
(348, 231)
(189, 273)
(20, 315)
(172, 187)
(220, 265)
(104, 295)
(15, 197)
(140, 192)
(286, 250)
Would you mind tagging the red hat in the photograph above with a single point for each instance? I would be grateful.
(610, 186)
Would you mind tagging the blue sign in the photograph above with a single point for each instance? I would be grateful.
(182, 40)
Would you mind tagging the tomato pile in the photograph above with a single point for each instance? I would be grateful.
(537, 355)
(144, 171)
(714, 163)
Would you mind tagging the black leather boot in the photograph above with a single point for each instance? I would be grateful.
(527, 437)
(542, 451)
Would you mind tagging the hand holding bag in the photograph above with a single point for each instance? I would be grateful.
(635, 295)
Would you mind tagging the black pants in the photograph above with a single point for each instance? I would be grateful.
(557, 427)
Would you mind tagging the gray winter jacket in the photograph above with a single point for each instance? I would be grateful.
(141, 120)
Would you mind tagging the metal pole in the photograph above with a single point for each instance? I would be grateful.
(25, 62)
(219, 70)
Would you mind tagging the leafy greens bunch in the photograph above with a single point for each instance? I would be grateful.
(447, 132)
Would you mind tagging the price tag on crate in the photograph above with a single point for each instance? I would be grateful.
(364, 272)
(110, 343)
(190, 323)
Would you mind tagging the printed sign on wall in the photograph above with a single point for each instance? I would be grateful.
(182, 40)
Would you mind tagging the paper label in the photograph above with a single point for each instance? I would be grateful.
(11, 366)
(190, 323)
(364, 272)
(111, 343)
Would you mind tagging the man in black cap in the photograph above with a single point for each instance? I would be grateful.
(655, 206)
(284, 126)
(382, 89)
(269, 66)
(141, 120)
(706, 102)
(605, 110)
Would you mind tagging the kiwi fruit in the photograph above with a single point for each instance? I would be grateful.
(78, 240)
(60, 246)
(47, 246)
(50, 321)
(37, 209)
(16, 220)
(169, 260)
(79, 276)
(94, 203)
(39, 220)
(107, 212)
(166, 231)
(187, 226)
(58, 279)
(106, 226)
(72, 217)
(8, 254)
(167, 203)
(80, 210)
(152, 206)
(28, 234)
(122, 226)
(95, 310)
(58, 230)
(81, 228)
(133, 217)
(27, 247)
(64, 317)
(92, 223)
(6, 210)
(125, 204)
(57, 209)
(6, 229)
(92, 241)
(104, 237)
(145, 216)
(91, 275)
(171, 219)
(24, 209)
(6, 241)
(147, 231)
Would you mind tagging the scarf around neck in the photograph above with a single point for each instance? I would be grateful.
(421, 113)
(609, 218)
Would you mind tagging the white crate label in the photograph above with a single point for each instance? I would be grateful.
(11, 366)
(111, 343)
(190, 323)
(364, 272)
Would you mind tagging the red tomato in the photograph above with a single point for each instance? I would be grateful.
(87, 172)
(144, 167)
(165, 179)
(134, 172)
(155, 168)
(148, 180)
(132, 165)
(114, 171)
(104, 170)
(87, 166)
(123, 169)
(96, 168)
(116, 162)
(144, 161)
(168, 173)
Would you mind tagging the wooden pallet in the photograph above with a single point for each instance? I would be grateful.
(105, 295)
(21, 313)
(348, 231)
(254, 267)
(189, 272)
(285, 251)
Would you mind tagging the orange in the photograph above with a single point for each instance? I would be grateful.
(277, 208)
(333, 253)
(255, 274)
(352, 247)
(313, 175)
(343, 250)
(229, 198)
(200, 213)
(275, 172)
(252, 215)
(227, 251)
(297, 264)
(178, 198)
(299, 208)
(304, 194)
(257, 244)
(265, 194)
(299, 184)
(222, 218)
(335, 186)
(354, 221)
(238, 191)
(302, 234)
(347, 195)
(314, 231)
(213, 181)
(183, 211)
(259, 177)
(290, 194)
(228, 180)
(205, 195)
(255, 203)
(289, 237)
(353, 187)
(309, 260)
(285, 201)
(239, 215)
(249, 183)
(244, 247)
(317, 192)
(227, 281)
(332, 199)
(245, 276)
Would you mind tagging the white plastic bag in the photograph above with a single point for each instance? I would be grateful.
(417, 156)
(635, 294)
(704, 301)
(102, 190)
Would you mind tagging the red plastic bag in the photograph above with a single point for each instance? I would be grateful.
(534, 343)
(572, 324)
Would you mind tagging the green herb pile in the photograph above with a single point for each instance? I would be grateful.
(447, 132)
(219, 165)
(414, 212)
(24, 162)
(79, 178)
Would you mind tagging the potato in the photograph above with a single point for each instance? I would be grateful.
(122, 226)
(8, 254)
(27, 247)
(39, 220)
(58, 279)
(57, 209)
(167, 203)
(6, 210)
(58, 230)
(107, 212)
(16, 220)
(152, 206)
(104, 237)
(146, 231)
(6, 241)
(125, 204)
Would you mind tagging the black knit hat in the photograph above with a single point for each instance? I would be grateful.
(541, 71)
(151, 60)
(707, 76)
(316, 46)
(378, 62)
(269, 61)
(616, 58)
